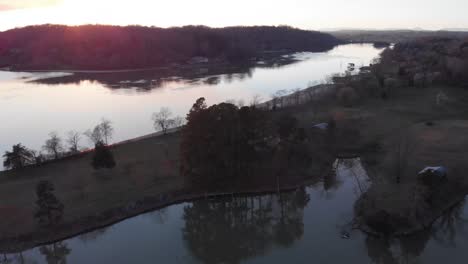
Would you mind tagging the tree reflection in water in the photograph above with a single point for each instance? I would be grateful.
(451, 224)
(147, 80)
(93, 235)
(230, 230)
(408, 249)
(55, 253)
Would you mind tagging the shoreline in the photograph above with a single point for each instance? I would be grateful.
(274, 57)
(64, 231)
(416, 229)
(89, 71)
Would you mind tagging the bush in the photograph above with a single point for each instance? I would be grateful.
(103, 157)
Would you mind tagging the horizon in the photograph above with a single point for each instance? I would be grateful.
(254, 25)
(330, 16)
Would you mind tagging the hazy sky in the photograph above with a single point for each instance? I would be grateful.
(308, 14)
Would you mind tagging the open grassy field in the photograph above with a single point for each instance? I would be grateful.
(145, 167)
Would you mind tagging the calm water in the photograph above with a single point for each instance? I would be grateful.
(304, 226)
(33, 105)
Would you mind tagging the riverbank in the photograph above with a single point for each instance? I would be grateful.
(115, 215)
(266, 59)
(147, 177)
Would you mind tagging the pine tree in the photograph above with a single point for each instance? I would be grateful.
(49, 208)
(103, 157)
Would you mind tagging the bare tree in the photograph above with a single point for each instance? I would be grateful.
(313, 98)
(274, 101)
(179, 121)
(231, 101)
(107, 130)
(297, 95)
(73, 140)
(101, 133)
(95, 135)
(256, 99)
(162, 120)
(53, 145)
(38, 157)
(279, 97)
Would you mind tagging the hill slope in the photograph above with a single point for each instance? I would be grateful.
(96, 47)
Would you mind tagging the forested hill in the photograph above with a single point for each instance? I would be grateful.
(96, 47)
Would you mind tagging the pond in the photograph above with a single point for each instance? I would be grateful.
(310, 224)
(34, 104)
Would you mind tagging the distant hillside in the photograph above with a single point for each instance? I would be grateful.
(426, 61)
(392, 36)
(95, 47)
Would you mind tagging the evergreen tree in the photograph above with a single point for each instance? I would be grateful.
(49, 208)
(103, 157)
(19, 157)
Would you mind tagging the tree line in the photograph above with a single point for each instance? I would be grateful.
(55, 147)
(226, 145)
(114, 47)
(100, 136)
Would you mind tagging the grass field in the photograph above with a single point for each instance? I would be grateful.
(144, 168)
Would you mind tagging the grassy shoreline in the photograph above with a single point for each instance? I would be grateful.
(136, 186)
(115, 215)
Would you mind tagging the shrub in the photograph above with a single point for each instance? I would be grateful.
(103, 157)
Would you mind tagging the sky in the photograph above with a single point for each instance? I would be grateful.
(306, 14)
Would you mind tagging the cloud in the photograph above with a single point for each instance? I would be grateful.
(7, 5)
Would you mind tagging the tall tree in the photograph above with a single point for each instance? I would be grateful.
(103, 157)
(53, 145)
(222, 142)
(95, 135)
(19, 157)
(73, 140)
(163, 120)
(107, 130)
(49, 208)
(101, 133)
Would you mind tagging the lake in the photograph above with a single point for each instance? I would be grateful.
(34, 104)
(309, 225)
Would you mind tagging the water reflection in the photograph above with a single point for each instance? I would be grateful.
(93, 235)
(56, 253)
(299, 227)
(146, 80)
(445, 233)
(231, 230)
(46, 102)
(452, 224)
